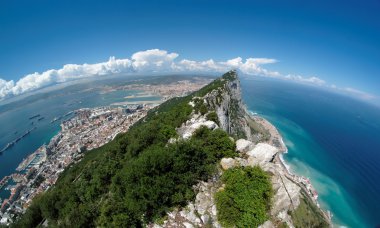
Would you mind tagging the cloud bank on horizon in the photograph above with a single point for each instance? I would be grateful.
(154, 61)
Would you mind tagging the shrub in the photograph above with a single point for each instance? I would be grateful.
(245, 200)
(213, 117)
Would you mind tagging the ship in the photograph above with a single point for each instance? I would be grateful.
(68, 113)
(56, 119)
(41, 118)
(12, 143)
(35, 116)
(4, 181)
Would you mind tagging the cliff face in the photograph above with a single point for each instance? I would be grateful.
(231, 111)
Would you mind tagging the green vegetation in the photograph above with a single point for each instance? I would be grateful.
(199, 106)
(246, 198)
(307, 214)
(162, 177)
(136, 178)
(213, 117)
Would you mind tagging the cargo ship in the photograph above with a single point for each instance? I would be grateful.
(12, 143)
(35, 116)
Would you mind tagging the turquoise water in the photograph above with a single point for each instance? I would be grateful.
(331, 139)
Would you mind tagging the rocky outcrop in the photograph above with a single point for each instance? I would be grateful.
(200, 213)
(228, 163)
(232, 114)
(196, 121)
(286, 192)
(243, 145)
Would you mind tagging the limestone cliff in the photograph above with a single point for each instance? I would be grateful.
(258, 143)
(231, 111)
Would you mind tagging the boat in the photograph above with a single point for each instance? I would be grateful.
(56, 119)
(35, 116)
(4, 181)
(68, 113)
(12, 143)
(41, 118)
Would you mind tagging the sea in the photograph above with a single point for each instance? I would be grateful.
(332, 139)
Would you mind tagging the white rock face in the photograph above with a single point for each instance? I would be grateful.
(189, 214)
(198, 213)
(241, 161)
(243, 145)
(262, 153)
(286, 195)
(228, 163)
(188, 129)
(188, 225)
(267, 224)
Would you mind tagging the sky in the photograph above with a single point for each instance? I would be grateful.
(334, 44)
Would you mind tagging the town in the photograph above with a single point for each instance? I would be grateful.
(88, 129)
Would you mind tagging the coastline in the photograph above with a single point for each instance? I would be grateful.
(89, 128)
(304, 183)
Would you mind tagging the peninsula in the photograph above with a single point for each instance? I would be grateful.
(195, 161)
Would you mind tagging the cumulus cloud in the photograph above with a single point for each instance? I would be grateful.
(150, 61)
(68, 72)
(5, 87)
(153, 60)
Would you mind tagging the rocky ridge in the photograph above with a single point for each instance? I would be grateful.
(258, 143)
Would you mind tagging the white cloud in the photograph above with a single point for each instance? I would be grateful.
(153, 61)
(250, 66)
(5, 87)
(69, 72)
(358, 93)
(312, 80)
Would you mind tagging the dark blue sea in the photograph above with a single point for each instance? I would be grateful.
(332, 139)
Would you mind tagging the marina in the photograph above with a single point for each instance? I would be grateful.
(33, 160)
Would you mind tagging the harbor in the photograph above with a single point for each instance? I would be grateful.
(86, 130)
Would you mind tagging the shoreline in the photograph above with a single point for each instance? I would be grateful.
(303, 182)
(90, 128)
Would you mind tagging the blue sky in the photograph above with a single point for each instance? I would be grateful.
(336, 41)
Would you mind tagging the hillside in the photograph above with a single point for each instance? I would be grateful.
(198, 160)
